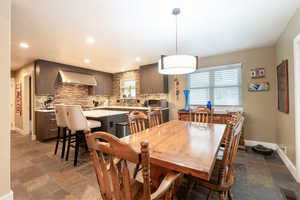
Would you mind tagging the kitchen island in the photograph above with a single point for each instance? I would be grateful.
(46, 128)
(165, 110)
(108, 118)
(102, 113)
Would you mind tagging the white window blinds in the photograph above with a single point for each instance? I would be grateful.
(220, 85)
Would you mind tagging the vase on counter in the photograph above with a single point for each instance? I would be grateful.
(187, 99)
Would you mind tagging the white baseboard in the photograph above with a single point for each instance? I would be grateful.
(288, 163)
(21, 131)
(9, 196)
(266, 144)
(33, 137)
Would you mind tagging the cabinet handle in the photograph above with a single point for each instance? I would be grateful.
(53, 129)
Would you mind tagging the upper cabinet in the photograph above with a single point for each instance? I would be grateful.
(152, 81)
(46, 74)
(104, 84)
(45, 77)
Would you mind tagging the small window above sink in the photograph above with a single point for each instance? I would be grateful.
(128, 89)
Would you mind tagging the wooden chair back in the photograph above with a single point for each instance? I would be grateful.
(231, 142)
(155, 118)
(137, 121)
(114, 178)
(237, 132)
(235, 116)
(203, 115)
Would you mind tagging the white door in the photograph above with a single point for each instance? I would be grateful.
(12, 103)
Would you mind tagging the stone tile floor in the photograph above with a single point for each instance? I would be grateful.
(37, 174)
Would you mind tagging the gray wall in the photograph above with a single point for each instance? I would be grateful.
(259, 107)
(285, 122)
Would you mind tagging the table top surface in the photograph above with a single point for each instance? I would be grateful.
(187, 147)
(102, 113)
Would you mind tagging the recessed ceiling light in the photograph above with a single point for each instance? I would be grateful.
(90, 40)
(138, 59)
(24, 45)
(123, 69)
(87, 61)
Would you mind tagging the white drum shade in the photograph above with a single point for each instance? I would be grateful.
(177, 64)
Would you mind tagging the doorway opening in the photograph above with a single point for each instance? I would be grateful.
(297, 102)
(27, 111)
(12, 103)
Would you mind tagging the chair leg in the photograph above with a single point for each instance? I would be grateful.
(190, 189)
(222, 196)
(230, 196)
(69, 144)
(64, 142)
(85, 143)
(76, 149)
(210, 194)
(57, 140)
(136, 170)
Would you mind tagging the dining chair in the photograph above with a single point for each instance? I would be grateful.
(137, 121)
(155, 117)
(235, 117)
(202, 115)
(77, 124)
(222, 178)
(114, 178)
(61, 121)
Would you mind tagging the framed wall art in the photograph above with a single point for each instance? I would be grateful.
(283, 87)
(257, 73)
(258, 87)
(19, 98)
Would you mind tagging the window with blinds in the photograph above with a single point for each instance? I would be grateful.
(220, 85)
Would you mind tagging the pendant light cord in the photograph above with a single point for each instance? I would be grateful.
(176, 34)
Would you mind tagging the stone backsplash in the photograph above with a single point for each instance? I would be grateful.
(71, 94)
(140, 98)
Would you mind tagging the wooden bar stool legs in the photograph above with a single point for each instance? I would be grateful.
(57, 140)
(61, 138)
(69, 145)
(77, 140)
(76, 148)
(64, 142)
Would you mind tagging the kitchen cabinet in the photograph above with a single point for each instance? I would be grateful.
(46, 127)
(104, 84)
(46, 75)
(151, 81)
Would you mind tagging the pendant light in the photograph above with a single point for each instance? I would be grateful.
(178, 63)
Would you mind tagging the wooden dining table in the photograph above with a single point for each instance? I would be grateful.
(187, 147)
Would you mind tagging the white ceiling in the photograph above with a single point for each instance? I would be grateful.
(56, 30)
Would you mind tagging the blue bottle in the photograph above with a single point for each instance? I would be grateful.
(187, 100)
(209, 105)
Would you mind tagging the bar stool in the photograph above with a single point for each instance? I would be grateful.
(61, 122)
(77, 124)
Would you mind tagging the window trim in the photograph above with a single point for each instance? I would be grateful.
(124, 87)
(211, 86)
